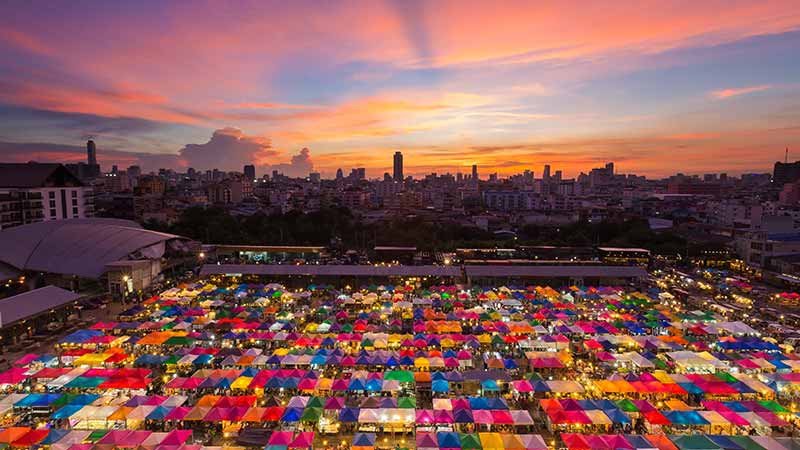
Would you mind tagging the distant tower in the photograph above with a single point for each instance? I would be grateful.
(475, 172)
(398, 166)
(250, 172)
(339, 174)
(91, 153)
(546, 173)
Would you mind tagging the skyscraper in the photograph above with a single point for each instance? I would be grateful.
(546, 173)
(398, 166)
(91, 153)
(475, 172)
(250, 172)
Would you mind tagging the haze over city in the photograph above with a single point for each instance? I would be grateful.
(300, 87)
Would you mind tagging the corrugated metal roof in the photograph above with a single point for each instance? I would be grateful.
(79, 247)
(556, 271)
(332, 270)
(29, 304)
(434, 271)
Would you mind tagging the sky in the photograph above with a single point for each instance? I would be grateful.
(658, 87)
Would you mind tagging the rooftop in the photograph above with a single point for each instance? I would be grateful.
(32, 303)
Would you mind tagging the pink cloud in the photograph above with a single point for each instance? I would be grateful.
(734, 92)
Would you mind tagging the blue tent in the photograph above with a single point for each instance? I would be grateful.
(66, 412)
(478, 403)
(159, 413)
(448, 439)
(292, 415)
(374, 385)
(440, 386)
(364, 440)
(490, 385)
(349, 415)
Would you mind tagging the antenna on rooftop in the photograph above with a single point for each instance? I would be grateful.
(786, 158)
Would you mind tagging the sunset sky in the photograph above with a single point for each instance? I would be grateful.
(658, 87)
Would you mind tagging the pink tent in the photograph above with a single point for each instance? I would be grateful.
(424, 416)
(302, 440)
(177, 437)
(482, 416)
(280, 438)
(734, 418)
(25, 360)
(178, 413)
(426, 441)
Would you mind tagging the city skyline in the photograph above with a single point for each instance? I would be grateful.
(659, 89)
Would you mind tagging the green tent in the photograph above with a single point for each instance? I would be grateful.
(745, 442)
(311, 415)
(726, 377)
(627, 405)
(773, 406)
(315, 402)
(407, 402)
(470, 441)
(63, 400)
(179, 340)
(96, 435)
(403, 376)
(694, 442)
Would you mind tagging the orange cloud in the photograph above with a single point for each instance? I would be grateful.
(734, 92)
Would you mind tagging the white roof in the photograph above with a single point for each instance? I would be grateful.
(81, 247)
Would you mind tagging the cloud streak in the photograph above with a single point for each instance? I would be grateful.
(723, 94)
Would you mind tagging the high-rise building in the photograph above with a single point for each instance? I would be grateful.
(91, 153)
(475, 172)
(398, 166)
(785, 172)
(558, 175)
(250, 172)
(339, 174)
(546, 173)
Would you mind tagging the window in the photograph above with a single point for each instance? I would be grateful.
(74, 194)
(52, 203)
(74, 202)
(52, 212)
(52, 194)
(75, 212)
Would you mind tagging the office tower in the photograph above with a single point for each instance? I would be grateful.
(398, 166)
(114, 169)
(610, 168)
(91, 153)
(339, 174)
(785, 173)
(558, 175)
(314, 177)
(475, 172)
(250, 172)
(546, 173)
